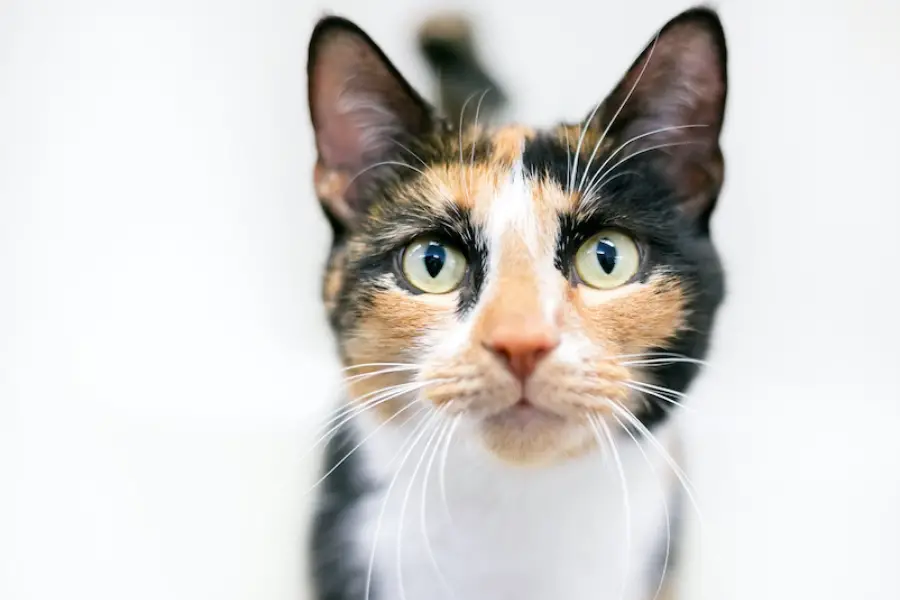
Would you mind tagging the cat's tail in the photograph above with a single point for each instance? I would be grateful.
(464, 85)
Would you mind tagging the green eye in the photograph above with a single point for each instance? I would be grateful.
(607, 260)
(432, 266)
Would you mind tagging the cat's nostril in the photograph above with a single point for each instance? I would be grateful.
(522, 348)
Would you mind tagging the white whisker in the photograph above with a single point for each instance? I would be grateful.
(383, 163)
(626, 501)
(421, 427)
(662, 362)
(475, 132)
(462, 113)
(364, 440)
(442, 480)
(665, 502)
(656, 394)
(568, 155)
(436, 419)
(594, 192)
(445, 428)
(413, 154)
(650, 355)
(638, 153)
(659, 388)
(369, 375)
(616, 115)
(355, 408)
(676, 469)
(380, 364)
(631, 141)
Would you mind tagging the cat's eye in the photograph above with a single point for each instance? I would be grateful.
(607, 260)
(433, 266)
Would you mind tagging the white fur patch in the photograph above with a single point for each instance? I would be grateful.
(513, 211)
(508, 532)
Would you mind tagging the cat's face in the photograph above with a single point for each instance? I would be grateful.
(541, 284)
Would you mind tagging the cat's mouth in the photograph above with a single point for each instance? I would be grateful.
(528, 433)
(524, 413)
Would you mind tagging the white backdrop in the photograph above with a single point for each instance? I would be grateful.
(162, 351)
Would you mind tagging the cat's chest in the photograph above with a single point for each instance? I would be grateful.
(512, 535)
(485, 555)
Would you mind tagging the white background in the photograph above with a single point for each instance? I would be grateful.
(162, 350)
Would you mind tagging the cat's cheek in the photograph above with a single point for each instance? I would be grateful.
(396, 325)
(634, 318)
(395, 328)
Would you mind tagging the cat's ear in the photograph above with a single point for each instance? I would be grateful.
(363, 113)
(670, 106)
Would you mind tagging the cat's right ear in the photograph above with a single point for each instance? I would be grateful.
(363, 113)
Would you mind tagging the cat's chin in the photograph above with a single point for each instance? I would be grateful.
(529, 436)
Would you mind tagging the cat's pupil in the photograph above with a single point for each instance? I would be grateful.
(607, 255)
(435, 257)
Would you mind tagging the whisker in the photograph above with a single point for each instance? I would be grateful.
(475, 132)
(673, 465)
(650, 355)
(380, 364)
(595, 192)
(655, 358)
(370, 374)
(657, 395)
(631, 141)
(442, 480)
(659, 388)
(352, 406)
(394, 394)
(413, 154)
(665, 502)
(422, 428)
(618, 111)
(626, 501)
(445, 428)
(364, 440)
(383, 395)
(638, 153)
(568, 155)
(663, 362)
(383, 163)
(462, 113)
(405, 502)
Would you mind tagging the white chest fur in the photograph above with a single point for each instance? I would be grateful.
(511, 533)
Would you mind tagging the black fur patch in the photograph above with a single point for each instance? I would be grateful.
(337, 573)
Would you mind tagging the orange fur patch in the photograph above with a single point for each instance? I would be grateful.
(508, 143)
(393, 326)
(331, 187)
(333, 279)
(634, 318)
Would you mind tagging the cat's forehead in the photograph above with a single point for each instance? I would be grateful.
(498, 182)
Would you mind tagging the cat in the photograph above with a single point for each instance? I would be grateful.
(518, 311)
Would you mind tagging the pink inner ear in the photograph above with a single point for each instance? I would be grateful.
(678, 81)
(356, 103)
(675, 109)
(340, 130)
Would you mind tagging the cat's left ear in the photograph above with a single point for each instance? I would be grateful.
(363, 112)
(671, 105)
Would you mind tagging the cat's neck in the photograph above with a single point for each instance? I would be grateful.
(516, 532)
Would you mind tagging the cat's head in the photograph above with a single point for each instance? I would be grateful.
(539, 285)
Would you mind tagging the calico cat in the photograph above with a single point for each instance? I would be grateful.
(518, 311)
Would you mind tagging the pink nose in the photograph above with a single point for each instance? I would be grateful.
(522, 346)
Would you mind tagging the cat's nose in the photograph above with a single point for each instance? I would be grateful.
(522, 345)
